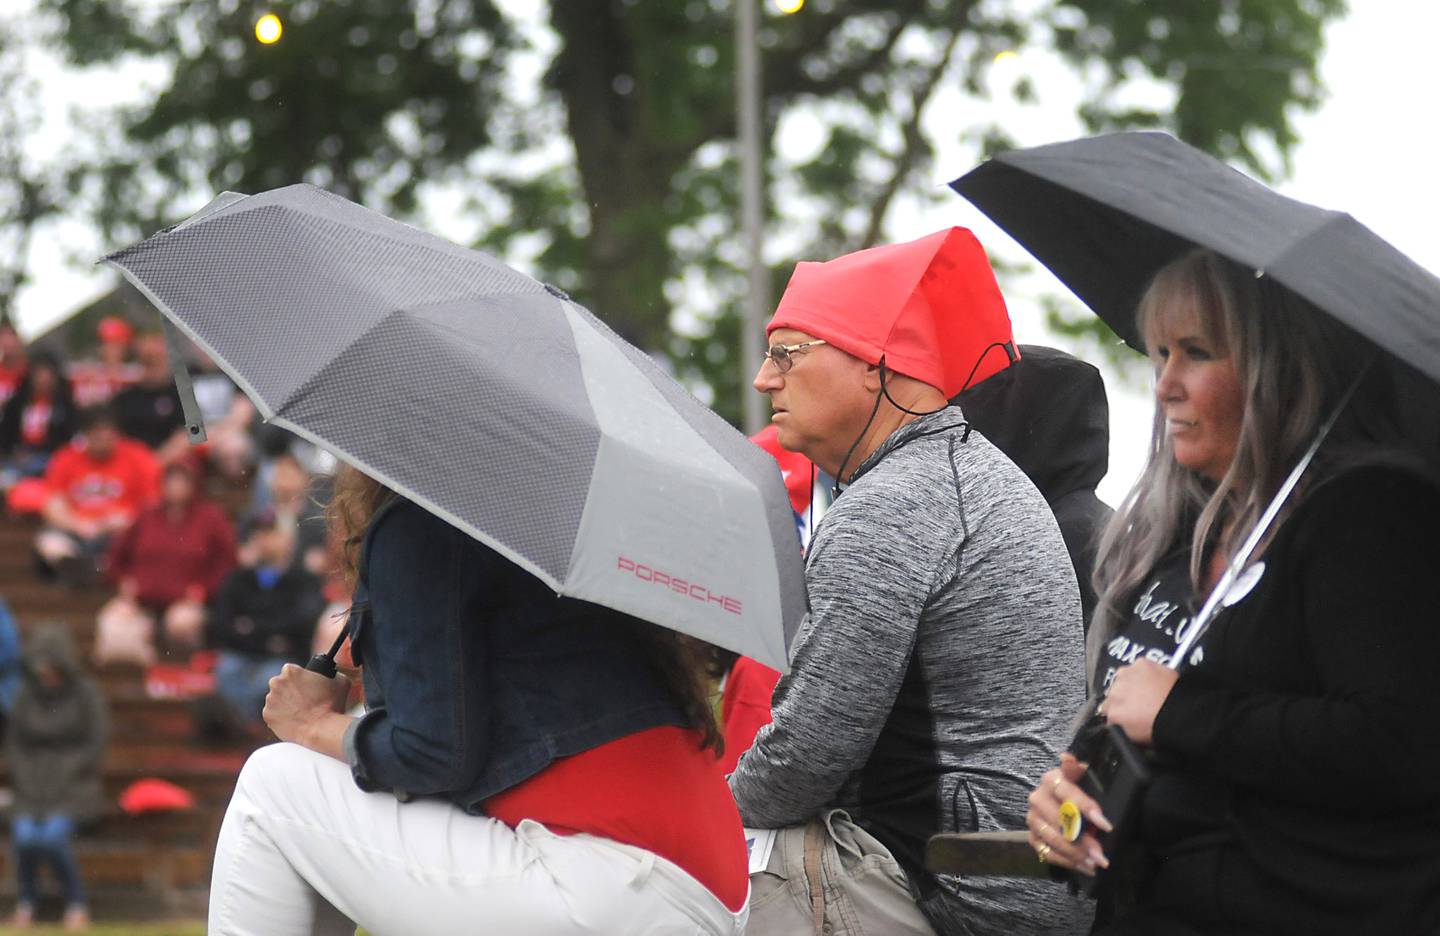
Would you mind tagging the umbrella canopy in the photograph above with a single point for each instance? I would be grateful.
(1106, 212)
(491, 400)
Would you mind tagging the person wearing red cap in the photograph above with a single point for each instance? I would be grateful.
(929, 685)
(96, 381)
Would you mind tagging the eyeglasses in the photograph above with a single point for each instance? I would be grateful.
(783, 357)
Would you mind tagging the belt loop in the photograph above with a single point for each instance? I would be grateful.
(814, 846)
(643, 867)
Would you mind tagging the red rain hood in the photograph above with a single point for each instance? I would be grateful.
(931, 307)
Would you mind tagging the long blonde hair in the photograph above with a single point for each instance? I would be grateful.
(1294, 364)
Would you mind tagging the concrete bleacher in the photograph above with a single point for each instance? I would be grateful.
(150, 866)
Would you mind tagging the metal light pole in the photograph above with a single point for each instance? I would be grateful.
(757, 299)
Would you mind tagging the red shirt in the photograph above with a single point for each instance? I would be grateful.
(654, 789)
(745, 707)
(172, 558)
(10, 378)
(35, 422)
(123, 484)
(94, 382)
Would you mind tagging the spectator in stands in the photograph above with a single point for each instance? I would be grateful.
(96, 381)
(55, 746)
(149, 410)
(172, 560)
(263, 616)
(297, 505)
(228, 416)
(1048, 413)
(97, 485)
(12, 359)
(39, 418)
(9, 664)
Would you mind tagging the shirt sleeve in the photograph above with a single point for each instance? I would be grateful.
(425, 581)
(868, 582)
(1363, 560)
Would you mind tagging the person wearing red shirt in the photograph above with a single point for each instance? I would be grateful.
(171, 560)
(97, 486)
(97, 381)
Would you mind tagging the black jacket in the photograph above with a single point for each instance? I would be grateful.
(1301, 752)
(61, 427)
(149, 414)
(274, 622)
(1048, 413)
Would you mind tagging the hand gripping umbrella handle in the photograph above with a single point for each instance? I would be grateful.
(324, 663)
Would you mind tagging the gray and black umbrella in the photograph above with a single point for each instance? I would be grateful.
(493, 401)
(1105, 213)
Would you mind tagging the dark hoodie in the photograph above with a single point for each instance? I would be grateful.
(1049, 414)
(64, 417)
(56, 739)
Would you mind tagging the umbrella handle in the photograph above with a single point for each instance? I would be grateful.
(324, 663)
(194, 423)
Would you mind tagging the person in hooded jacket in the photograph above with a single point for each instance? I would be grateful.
(944, 626)
(1048, 413)
(55, 745)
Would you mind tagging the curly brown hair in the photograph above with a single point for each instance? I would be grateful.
(687, 667)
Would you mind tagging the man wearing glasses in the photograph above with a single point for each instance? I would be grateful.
(934, 678)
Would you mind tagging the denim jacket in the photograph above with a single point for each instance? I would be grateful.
(477, 676)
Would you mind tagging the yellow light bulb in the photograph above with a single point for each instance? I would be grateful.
(789, 6)
(268, 29)
(1009, 55)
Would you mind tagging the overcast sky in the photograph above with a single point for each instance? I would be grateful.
(1370, 150)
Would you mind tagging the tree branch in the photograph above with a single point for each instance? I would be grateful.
(913, 144)
(785, 77)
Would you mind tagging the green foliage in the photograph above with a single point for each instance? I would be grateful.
(616, 176)
(26, 190)
(1239, 67)
(365, 97)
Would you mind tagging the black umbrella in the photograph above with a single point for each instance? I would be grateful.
(1105, 213)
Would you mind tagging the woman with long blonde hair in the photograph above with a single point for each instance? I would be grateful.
(1296, 777)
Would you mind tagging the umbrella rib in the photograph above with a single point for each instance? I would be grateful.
(267, 412)
(271, 416)
(430, 505)
(163, 307)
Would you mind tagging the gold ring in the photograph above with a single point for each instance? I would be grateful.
(1056, 785)
(1043, 853)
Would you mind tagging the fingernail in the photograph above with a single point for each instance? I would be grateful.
(1097, 817)
(1097, 857)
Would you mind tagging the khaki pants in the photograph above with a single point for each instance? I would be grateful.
(860, 891)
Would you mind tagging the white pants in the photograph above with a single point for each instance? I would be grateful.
(304, 851)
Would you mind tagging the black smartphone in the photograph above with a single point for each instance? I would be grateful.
(1116, 778)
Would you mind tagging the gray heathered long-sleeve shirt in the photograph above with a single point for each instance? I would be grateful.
(934, 679)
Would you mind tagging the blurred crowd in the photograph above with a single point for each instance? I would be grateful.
(96, 449)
